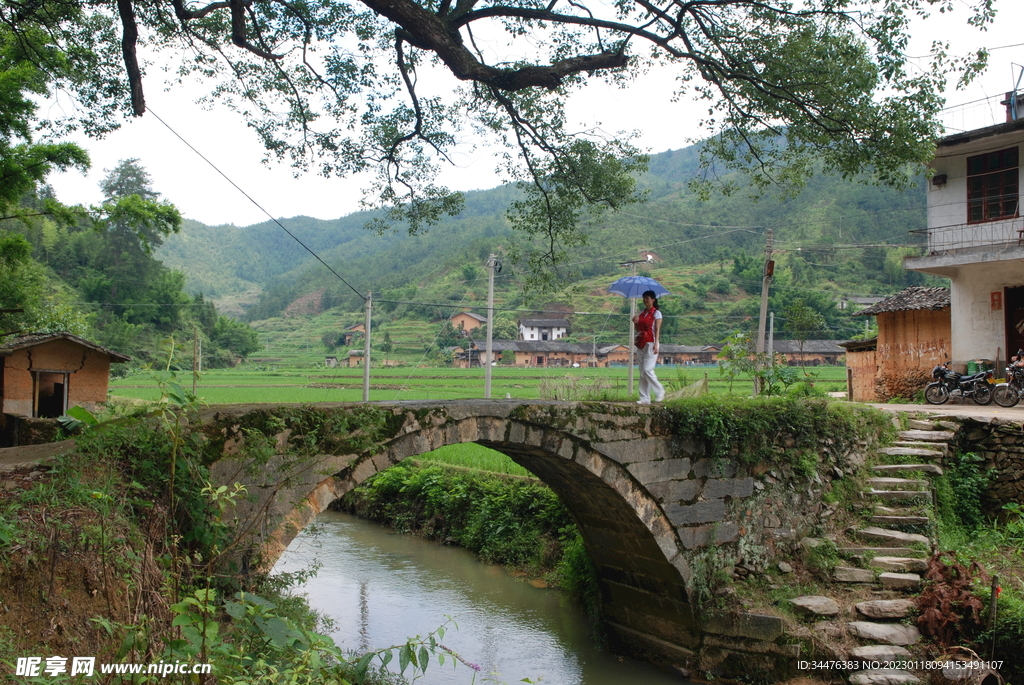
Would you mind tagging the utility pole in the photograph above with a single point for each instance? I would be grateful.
(492, 262)
(766, 280)
(771, 336)
(195, 357)
(366, 349)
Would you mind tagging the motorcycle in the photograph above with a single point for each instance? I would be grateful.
(1010, 393)
(952, 384)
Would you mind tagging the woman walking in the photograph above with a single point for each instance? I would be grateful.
(648, 333)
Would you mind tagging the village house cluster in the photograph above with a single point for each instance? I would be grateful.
(542, 343)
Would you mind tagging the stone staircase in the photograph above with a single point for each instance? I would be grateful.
(888, 551)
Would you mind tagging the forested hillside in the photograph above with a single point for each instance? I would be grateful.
(835, 239)
(91, 272)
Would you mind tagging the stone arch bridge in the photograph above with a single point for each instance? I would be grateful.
(658, 515)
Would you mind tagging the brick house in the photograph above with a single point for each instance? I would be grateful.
(468, 321)
(43, 375)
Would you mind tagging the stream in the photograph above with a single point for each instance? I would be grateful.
(380, 588)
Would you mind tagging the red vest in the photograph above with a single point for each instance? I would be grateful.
(645, 328)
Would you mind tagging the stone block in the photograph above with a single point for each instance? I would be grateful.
(630, 451)
(674, 491)
(657, 471)
(728, 487)
(714, 468)
(717, 533)
(701, 512)
(614, 434)
(753, 626)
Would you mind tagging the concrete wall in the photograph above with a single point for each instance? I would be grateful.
(979, 328)
(87, 384)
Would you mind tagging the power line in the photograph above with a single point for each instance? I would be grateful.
(257, 204)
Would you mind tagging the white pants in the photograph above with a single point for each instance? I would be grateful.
(648, 381)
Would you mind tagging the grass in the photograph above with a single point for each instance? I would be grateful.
(307, 381)
(472, 456)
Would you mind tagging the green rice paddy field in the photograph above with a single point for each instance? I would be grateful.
(252, 383)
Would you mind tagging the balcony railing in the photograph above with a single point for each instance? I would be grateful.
(993, 234)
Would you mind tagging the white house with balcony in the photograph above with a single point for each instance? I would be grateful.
(976, 236)
(543, 329)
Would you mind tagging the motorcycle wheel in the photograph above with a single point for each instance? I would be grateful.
(1005, 396)
(983, 393)
(936, 393)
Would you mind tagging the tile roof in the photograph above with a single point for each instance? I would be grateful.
(33, 339)
(914, 297)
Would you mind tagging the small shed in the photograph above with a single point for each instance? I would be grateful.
(44, 374)
(861, 368)
(914, 334)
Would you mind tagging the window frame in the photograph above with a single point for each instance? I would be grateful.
(993, 186)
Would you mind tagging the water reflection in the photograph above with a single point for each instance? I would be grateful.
(381, 588)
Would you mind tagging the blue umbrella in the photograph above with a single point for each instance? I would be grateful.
(636, 286)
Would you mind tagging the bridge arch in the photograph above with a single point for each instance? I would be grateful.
(642, 574)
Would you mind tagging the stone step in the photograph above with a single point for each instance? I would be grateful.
(899, 564)
(900, 495)
(899, 521)
(900, 581)
(890, 538)
(882, 510)
(885, 633)
(891, 483)
(849, 574)
(921, 425)
(883, 609)
(935, 446)
(815, 605)
(850, 552)
(910, 452)
(928, 469)
(884, 676)
(927, 436)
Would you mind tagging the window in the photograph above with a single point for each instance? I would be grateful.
(992, 186)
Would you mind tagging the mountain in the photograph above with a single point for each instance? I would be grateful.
(837, 237)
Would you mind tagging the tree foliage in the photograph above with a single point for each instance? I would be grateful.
(345, 86)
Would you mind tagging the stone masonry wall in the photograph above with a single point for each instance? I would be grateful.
(1001, 443)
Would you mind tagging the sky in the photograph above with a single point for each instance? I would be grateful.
(203, 194)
